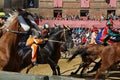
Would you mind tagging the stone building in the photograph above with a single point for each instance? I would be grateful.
(46, 8)
(73, 7)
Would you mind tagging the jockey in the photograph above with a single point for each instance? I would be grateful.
(45, 31)
(34, 40)
(109, 31)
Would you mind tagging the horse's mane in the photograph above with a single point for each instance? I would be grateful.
(10, 19)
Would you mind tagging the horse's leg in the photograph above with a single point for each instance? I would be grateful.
(97, 65)
(54, 66)
(84, 67)
(107, 74)
(29, 67)
(58, 69)
(102, 68)
(80, 66)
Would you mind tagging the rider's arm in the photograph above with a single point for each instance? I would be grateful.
(40, 40)
(30, 41)
(112, 33)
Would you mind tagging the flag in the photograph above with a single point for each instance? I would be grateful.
(55, 3)
(112, 3)
(85, 3)
(58, 3)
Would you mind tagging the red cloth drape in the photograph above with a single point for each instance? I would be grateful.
(112, 3)
(85, 3)
(58, 3)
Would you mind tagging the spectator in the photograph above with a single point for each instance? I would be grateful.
(58, 16)
(93, 36)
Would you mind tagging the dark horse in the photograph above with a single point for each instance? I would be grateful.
(50, 53)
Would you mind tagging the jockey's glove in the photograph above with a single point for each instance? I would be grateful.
(45, 39)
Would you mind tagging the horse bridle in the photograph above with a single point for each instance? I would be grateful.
(65, 39)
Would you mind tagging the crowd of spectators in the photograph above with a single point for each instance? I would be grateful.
(81, 36)
(78, 17)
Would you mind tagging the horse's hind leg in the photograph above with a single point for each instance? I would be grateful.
(84, 67)
(29, 67)
(95, 68)
(102, 68)
(54, 66)
(80, 66)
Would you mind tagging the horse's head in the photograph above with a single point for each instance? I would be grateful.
(67, 32)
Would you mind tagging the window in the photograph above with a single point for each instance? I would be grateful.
(56, 12)
(111, 13)
(84, 13)
(31, 3)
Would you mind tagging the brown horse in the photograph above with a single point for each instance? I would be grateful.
(110, 55)
(8, 45)
(88, 54)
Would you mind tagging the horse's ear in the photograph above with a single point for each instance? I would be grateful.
(63, 26)
(66, 27)
(55, 25)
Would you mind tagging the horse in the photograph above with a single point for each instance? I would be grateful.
(110, 55)
(88, 54)
(50, 53)
(8, 44)
(15, 32)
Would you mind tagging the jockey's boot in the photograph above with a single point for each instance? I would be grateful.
(34, 54)
(34, 63)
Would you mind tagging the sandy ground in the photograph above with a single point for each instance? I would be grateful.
(67, 68)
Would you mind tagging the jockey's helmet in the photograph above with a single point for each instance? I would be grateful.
(109, 23)
(45, 26)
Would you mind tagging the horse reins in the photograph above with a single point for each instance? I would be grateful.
(60, 41)
(56, 41)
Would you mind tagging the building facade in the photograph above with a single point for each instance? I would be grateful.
(46, 8)
(73, 7)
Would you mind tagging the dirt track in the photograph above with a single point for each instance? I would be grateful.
(66, 69)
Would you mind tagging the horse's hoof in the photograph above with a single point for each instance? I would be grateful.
(89, 72)
(81, 76)
(72, 73)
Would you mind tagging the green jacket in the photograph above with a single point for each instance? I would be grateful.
(112, 33)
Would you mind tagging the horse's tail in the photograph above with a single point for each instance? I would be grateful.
(78, 52)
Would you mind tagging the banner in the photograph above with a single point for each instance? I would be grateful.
(84, 3)
(55, 3)
(58, 3)
(112, 3)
